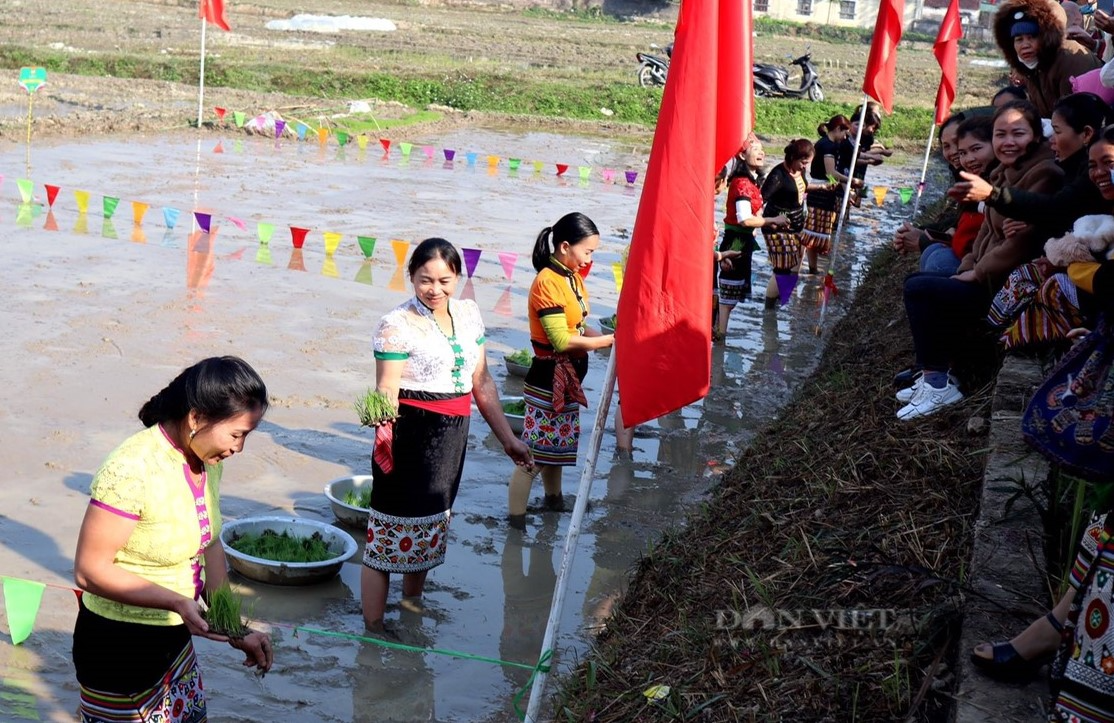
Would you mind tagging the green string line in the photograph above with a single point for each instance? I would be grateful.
(542, 666)
(413, 649)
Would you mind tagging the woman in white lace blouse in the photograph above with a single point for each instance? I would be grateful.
(430, 361)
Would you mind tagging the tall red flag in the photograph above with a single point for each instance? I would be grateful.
(946, 50)
(213, 11)
(663, 345)
(881, 66)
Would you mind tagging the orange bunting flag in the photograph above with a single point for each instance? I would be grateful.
(398, 281)
(401, 248)
(139, 210)
(212, 11)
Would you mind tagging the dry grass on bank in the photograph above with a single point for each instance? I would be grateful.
(837, 506)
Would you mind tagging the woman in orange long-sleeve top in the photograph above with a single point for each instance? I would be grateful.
(558, 309)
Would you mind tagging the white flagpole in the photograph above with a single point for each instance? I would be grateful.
(560, 590)
(924, 166)
(843, 209)
(201, 79)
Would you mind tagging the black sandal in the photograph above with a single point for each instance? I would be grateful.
(1006, 664)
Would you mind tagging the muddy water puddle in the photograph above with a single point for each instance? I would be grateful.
(100, 314)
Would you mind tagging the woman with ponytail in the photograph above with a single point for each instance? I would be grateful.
(147, 553)
(823, 202)
(558, 310)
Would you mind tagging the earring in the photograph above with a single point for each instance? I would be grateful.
(193, 433)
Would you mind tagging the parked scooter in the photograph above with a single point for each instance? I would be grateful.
(654, 68)
(772, 81)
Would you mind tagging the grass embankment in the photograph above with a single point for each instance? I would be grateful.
(835, 507)
(474, 91)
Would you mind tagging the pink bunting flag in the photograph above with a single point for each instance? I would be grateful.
(280, 126)
(428, 151)
(298, 238)
(785, 285)
(469, 291)
(203, 220)
(508, 259)
(220, 113)
(561, 168)
(503, 306)
(401, 248)
(237, 222)
(51, 194)
(608, 175)
(471, 258)
(386, 143)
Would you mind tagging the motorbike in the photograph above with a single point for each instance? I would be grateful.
(653, 68)
(772, 81)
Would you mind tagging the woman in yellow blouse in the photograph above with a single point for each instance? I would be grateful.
(148, 550)
(558, 309)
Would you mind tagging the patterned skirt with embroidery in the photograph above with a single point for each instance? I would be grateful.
(784, 250)
(114, 658)
(819, 225)
(1049, 316)
(1086, 693)
(410, 507)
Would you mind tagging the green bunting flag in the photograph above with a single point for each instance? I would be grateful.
(265, 231)
(21, 603)
(239, 116)
(367, 245)
(110, 204)
(26, 189)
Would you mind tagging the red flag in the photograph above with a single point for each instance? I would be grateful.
(946, 50)
(664, 334)
(213, 11)
(881, 66)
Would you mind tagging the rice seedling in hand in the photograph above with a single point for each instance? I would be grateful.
(374, 408)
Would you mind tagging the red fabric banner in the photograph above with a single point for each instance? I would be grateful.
(212, 11)
(881, 65)
(946, 50)
(664, 329)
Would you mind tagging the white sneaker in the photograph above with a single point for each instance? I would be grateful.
(929, 400)
(906, 395)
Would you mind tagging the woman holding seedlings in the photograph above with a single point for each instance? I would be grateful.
(429, 364)
(558, 310)
(146, 554)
